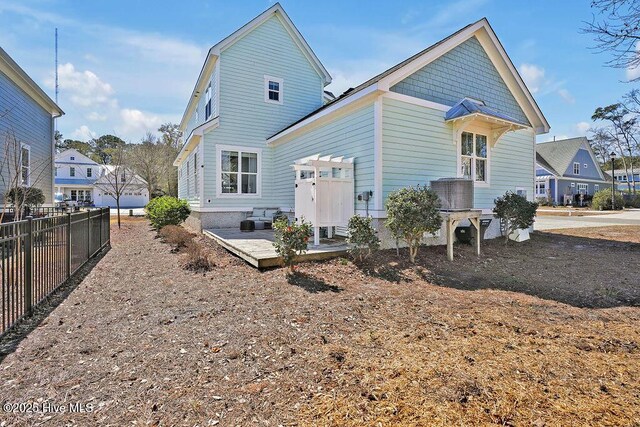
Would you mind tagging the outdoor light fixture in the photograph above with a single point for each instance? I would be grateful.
(613, 181)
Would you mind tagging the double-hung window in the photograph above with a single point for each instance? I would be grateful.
(576, 168)
(273, 90)
(239, 171)
(541, 189)
(207, 105)
(72, 171)
(25, 164)
(474, 162)
(583, 188)
(89, 172)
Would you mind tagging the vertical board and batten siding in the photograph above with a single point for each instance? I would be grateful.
(32, 125)
(464, 71)
(348, 136)
(417, 147)
(246, 120)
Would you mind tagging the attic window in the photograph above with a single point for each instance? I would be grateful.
(273, 90)
(207, 106)
(73, 158)
(576, 168)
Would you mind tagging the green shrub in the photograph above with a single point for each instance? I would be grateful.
(291, 240)
(632, 201)
(25, 197)
(515, 211)
(602, 200)
(411, 212)
(362, 237)
(167, 210)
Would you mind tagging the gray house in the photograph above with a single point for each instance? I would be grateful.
(566, 169)
(27, 115)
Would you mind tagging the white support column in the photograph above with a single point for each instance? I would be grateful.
(316, 236)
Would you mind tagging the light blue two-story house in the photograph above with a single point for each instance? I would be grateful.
(27, 117)
(566, 169)
(458, 108)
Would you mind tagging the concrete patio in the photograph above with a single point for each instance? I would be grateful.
(256, 247)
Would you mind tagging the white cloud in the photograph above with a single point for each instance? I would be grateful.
(138, 122)
(566, 95)
(158, 48)
(84, 88)
(533, 76)
(583, 127)
(96, 117)
(634, 72)
(83, 133)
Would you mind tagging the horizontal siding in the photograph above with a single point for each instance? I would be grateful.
(349, 136)
(31, 125)
(418, 147)
(246, 120)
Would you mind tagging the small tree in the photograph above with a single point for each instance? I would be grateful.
(25, 198)
(515, 211)
(362, 237)
(411, 212)
(602, 200)
(117, 178)
(167, 210)
(291, 240)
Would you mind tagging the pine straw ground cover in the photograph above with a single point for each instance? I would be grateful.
(149, 343)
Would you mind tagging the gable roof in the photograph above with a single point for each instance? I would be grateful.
(467, 107)
(17, 75)
(75, 153)
(558, 155)
(214, 51)
(508, 72)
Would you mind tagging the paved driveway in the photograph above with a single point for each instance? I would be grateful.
(629, 217)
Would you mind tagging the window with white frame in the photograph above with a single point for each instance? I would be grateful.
(541, 189)
(207, 105)
(239, 171)
(576, 168)
(273, 90)
(197, 114)
(473, 157)
(583, 188)
(584, 165)
(25, 165)
(596, 187)
(89, 172)
(72, 171)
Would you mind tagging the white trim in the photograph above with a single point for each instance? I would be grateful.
(221, 209)
(239, 149)
(194, 138)
(201, 172)
(28, 148)
(474, 131)
(377, 154)
(269, 79)
(416, 101)
(334, 107)
(574, 168)
(583, 180)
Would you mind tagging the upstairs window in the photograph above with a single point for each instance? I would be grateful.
(72, 158)
(207, 100)
(25, 163)
(576, 168)
(89, 172)
(197, 115)
(123, 177)
(273, 92)
(473, 157)
(72, 171)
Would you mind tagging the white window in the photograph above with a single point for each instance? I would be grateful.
(207, 105)
(584, 165)
(596, 188)
(573, 184)
(541, 189)
(583, 188)
(72, 158)
(473, 157)
(520, 191)
(89, 172)
(72, 171)
(197, 115)
(55, 171)
(238, 171)
(123, 177)
(273, 90)
(25, 165)
(576, 168)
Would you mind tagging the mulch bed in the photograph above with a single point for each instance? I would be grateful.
(387, 343)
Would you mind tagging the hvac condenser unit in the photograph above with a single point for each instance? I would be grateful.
(456, 194)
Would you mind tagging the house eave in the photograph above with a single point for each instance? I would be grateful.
(194, 139)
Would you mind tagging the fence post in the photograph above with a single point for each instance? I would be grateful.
(28, 265)
(88, 234)
(68, 245)
(101, 220)
(108, 226)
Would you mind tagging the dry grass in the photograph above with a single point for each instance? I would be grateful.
(618, 233)
(176, 236)
(196, 258)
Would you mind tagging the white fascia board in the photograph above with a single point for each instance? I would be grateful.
(197, 132)
(330, 110)
(416, 101)
(207, 68)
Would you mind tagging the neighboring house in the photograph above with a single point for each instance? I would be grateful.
(567, 168)
(27, 117)
(80, 179)
(457, 109)
(626, 181)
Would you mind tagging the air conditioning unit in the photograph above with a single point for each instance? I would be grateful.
(456, 194)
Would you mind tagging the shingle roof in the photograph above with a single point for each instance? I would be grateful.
(542, 162)
(559, 154)
(466, 107)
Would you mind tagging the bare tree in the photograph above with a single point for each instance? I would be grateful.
(117, 178)
(602, 143)
(148, 160)
(170, 138)
(616, 29)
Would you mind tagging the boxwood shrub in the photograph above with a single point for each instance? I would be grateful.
(602, 200)
(167, 210)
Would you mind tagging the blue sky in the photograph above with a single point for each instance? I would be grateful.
(128, 66)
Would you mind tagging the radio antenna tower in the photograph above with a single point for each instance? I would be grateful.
(56, 64)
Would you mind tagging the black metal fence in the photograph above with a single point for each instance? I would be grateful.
(39, 255)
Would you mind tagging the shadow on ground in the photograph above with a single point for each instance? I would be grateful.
(579, 271)
(310, 283)
(10, 341)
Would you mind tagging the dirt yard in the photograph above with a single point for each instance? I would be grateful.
(544, 333)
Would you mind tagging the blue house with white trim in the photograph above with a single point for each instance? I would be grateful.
(566, 169)
(458, 108)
